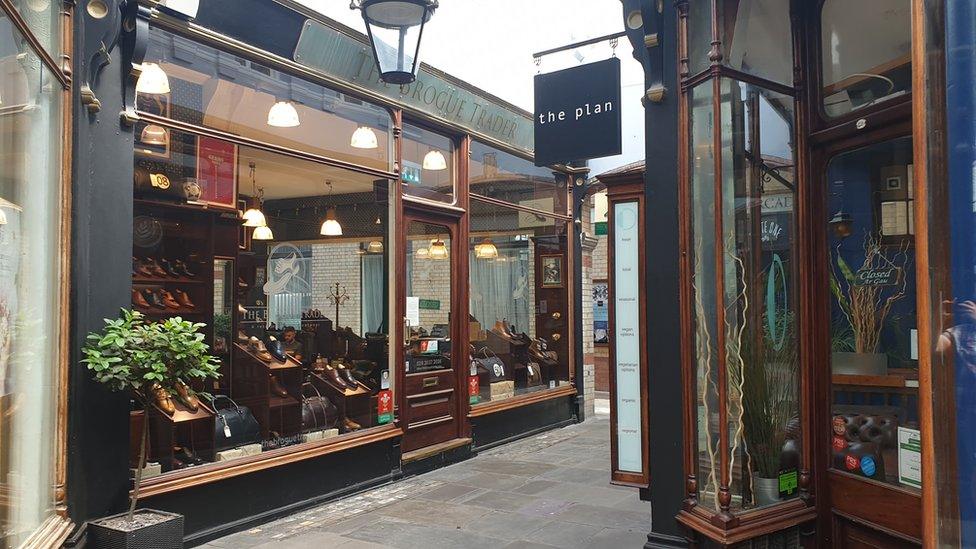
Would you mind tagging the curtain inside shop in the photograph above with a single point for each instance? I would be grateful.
(500, 288)
(289, 296)
(373, 273)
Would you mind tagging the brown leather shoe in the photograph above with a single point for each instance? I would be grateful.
(138, 300)
(277, 389)
(185, 397)
(333, 375)
(169, 300)
(155, 269)
(142, 269)
(184, 299)
(350, 425)
(153, 298)
(161, 398)
(257, 347)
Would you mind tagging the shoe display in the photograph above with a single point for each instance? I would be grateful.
(242, 284)
(187, 456)
(186, 397)
(175, 465)
(347, 376)
(180, 267)
(154, 268)
(350, 425)
(162, 399)
(140, 268)
(277, 389)
(138, 300)
(333, 375)
(276, 349)
(136, 265)
(241, 337)
(168, 299)
(184, 299)
(167, 266)
(319, 364)
(153, 298)
(258, 348)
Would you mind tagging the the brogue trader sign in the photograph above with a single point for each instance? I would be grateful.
(577, 113)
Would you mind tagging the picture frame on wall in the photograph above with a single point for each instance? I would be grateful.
(552, 275)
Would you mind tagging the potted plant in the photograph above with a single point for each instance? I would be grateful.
(865, 298)
(154, 362)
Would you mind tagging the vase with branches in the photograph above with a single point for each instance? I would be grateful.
(149, 359)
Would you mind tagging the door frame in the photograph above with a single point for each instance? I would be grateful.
(451, 219)
(887, 514)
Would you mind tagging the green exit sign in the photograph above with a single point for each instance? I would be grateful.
(430, 304)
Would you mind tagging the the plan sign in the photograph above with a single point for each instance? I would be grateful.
(577, 113)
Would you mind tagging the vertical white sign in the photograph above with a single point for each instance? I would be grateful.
(626, 288)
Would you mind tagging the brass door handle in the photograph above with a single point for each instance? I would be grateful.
(430, 382)
(556, 315)
(556, 337)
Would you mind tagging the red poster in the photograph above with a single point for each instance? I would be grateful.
(384, 406)
(473, 389)
(217, 171)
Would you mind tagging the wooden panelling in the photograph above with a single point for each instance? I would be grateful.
(884, 506)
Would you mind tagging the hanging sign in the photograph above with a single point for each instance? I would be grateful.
(384, 406)
(878, 277)
(577, 113)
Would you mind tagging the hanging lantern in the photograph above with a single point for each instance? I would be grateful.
(395, 28)
(842, 224)
(486, 250)
(438, 250)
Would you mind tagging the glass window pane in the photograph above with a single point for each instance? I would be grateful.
(519, 292)
(428, 164)
(222, 91)
(429, 279)
(866, 48)
(699, 35)
(297, 309)
(30, 212)
(43, 18)
(757, 38)
(874, 360)
(761, 333)
(504, 176)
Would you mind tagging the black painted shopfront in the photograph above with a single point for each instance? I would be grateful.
(385, 277)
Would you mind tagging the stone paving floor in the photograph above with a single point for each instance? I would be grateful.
(550, 490)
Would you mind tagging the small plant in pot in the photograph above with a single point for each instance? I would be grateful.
(154, 362)
(865, 298)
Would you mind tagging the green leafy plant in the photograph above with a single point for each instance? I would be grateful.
(140, 357)
(222, 325)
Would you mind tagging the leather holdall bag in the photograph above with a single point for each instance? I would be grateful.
(489, 363)
(318, 412)
(234, 425)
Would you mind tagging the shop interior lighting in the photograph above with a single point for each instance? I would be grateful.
(262, 233)
(374, 247)
(153, 134)
(422, 253)
(330, 227)
(185, 8)
(38, 6)
(842, 224)
(435, 161)
(364, 138)
(152, 80)
(283, 115)
(438, 250)
(486, 250)
(254, 217)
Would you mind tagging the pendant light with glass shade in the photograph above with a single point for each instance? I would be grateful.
(152, 80)
(422, 253)
(435, 161)
(364, 138)
(374, 247)
(254, 217)
(330, 227)
(262, 233)
(486, 250)
(438, 250)
(283, 115)
(153, 134)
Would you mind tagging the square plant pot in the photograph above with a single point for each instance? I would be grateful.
(150, 529)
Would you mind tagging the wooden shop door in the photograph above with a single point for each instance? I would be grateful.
(431, 402)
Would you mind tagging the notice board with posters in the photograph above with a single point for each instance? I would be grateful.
(577, 113)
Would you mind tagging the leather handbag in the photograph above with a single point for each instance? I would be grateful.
(318, 412)
(489, 364)
(234, 425)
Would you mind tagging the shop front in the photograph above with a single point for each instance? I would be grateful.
(823, 245)
(381, 271)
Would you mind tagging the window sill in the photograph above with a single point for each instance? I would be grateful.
(751, 524)
(520, 400)
(215, 472)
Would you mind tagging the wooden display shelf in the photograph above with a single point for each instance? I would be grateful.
(183, 413)
(899, 381)
(274, 365)
(142, 281)
(169, 312)
(279, 402)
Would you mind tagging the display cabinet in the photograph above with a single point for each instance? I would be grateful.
(748, 457)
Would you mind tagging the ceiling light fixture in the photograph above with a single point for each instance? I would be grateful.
(438, 250)
(152, 80)
(283, 115)
(422, 253)
(254, 217)
(435, 161)
(486, 250)
(330, 227)
(364, 138)
(374, 247)
(153, 134)
(262, 233)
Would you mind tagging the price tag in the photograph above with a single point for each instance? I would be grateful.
(226, 430)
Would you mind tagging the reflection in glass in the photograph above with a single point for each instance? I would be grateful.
(874, 366)
(866, 52)
(428, 298)
(503, 176)
(428, 164)
(30, 217)
(757, 38)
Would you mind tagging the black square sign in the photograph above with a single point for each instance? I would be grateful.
(577, 113)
